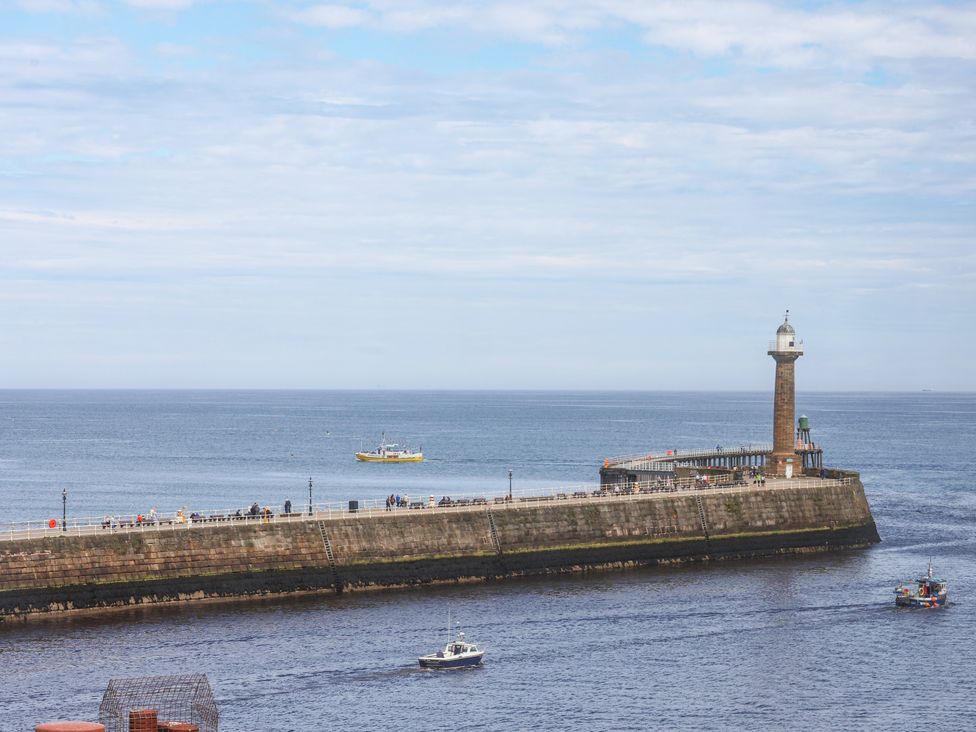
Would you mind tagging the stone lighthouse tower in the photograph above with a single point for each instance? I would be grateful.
(785, 350)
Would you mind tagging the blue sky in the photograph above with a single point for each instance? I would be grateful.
(596, 194)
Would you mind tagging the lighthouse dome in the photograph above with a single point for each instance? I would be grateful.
(786, 340)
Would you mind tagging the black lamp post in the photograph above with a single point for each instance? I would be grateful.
(64, 506)
(510, 484)
(310, 495)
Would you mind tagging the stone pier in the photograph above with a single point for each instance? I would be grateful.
(94, 573)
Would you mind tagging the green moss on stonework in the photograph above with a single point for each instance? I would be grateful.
(603, 545)
(406, 560)
(807, 530)
(127, 581)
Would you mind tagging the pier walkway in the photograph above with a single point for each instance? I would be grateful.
(375, 508)
(742, 456)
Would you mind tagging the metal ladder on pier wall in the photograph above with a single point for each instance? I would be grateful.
(330, 555)
(701, 516)
(493, 530)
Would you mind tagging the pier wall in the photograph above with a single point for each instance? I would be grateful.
(411, 547)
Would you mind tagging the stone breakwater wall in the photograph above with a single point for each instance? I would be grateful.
(414, 547)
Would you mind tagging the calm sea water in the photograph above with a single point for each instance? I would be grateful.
(808, 643)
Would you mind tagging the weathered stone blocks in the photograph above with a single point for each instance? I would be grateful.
(420, 546)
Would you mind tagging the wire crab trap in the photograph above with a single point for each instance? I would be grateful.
(181, 703)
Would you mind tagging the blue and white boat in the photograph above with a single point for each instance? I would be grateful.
(927, 591)
(458, 653)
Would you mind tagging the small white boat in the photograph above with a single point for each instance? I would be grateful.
(458, 653)
(388, 452)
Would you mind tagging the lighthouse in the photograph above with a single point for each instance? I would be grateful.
(785, 350)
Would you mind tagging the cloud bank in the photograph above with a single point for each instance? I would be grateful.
(518, 176)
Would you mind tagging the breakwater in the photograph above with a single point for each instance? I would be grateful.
(359, 550)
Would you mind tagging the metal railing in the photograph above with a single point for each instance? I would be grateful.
(797, 347)
(672, 456)
(585, 493)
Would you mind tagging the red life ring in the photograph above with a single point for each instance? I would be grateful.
(53, 523)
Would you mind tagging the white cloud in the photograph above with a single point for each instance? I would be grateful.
(761, 32)
(410, 19)
(160, 4)
(59, 6)
(331, 16)
(175, 50)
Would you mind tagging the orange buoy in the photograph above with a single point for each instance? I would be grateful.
(53, 523)
(68, 725)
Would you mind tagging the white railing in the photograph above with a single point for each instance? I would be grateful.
(796, 348)
(671, 456)
(585, 493)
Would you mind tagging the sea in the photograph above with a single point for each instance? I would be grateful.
(787, 643)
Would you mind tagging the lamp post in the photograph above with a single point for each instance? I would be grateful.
(509, 484)
(64, 507)
(310, 495)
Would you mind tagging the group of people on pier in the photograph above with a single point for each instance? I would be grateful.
(397, 501)
(152, 518)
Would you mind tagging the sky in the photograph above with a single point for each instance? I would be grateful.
(410, 194)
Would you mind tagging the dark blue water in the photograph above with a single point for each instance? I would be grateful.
(797, 643)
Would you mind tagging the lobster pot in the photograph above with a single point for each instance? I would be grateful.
(178, 703)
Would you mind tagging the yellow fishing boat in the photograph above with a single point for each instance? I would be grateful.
(391, 453)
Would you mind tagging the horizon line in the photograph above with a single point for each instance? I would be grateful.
(473, 390)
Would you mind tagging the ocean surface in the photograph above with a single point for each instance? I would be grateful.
(806, 643)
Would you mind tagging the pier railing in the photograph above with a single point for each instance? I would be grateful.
(677, 456)
(585, 493)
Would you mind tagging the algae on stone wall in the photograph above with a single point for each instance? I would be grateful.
(733, 506)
